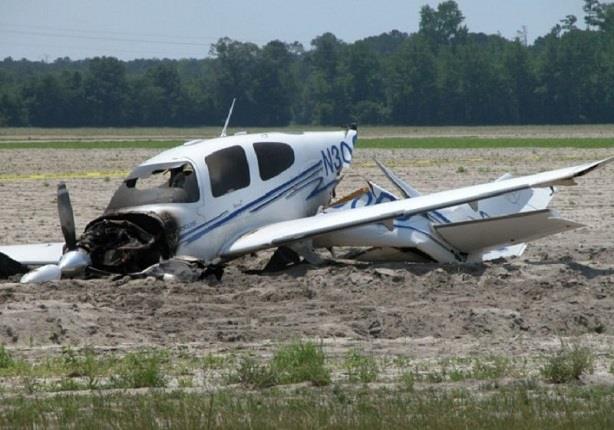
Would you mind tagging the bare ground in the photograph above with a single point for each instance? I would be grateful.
(562, 286)
(9, 134)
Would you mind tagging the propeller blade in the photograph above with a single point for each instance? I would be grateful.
(67, 219)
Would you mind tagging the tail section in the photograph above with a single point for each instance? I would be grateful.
(531, 199)
(496, 227)
(348, 144)
(407, 190)
(475, 237)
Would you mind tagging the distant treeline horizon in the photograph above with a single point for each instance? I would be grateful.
(441, 75)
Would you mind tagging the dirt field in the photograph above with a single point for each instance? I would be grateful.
(8, 134)
(561, 287)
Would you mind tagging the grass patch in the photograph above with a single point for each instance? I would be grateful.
(383, 143)
(360, 367)
(472, 142)
(253, 374)
(97, 144)
(291, 363)
(407, 381)
(86, 365)
(490, 368)
(466, 368)
(141, 369)
(301, 362)
(568, 364)
(307, 409)
(6, 360)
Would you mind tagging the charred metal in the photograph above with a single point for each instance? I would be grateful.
(129, 242)
(161, 183)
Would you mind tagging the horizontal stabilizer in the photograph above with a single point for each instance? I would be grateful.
(482, 234)
(35, 254)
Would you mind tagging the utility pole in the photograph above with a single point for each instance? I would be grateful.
(523, 35)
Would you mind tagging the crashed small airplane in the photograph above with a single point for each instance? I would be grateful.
(210, 201)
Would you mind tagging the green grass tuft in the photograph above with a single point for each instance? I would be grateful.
(301, 362)
(291, 363)
(470, 142)
(85, 365)
(141, 369)
(568, 364)
(6, 360)
(253, 374)
(360, 367)
(493, 367)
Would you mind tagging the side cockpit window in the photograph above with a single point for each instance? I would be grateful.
(228, 170)
(273, 158)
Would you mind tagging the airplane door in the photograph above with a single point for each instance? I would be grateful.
(229, 180)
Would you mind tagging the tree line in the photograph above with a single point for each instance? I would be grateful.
(441, 75)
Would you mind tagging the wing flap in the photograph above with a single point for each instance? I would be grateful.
(482, 234)
(287, 231)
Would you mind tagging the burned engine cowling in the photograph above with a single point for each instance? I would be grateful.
(129, 242)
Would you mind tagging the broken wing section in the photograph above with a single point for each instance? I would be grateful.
(281, 233)
(35, 254)
(475, 236)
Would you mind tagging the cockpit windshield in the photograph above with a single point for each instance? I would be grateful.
(162, 183)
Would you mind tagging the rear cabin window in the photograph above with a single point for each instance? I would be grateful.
(228, 170)
(273, 158)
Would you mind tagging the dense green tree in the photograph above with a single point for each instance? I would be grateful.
(386, 43)
(233, 77)
(443, 74)
(162, 96)
(325, 94)
(363, 79)
(105, 90)
(412, 90)
(444, 24)
(274, 85)
(519, 85)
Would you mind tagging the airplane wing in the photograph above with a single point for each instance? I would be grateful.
(281, 233)
(35, 254)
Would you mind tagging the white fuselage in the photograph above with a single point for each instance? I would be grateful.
(248, 181)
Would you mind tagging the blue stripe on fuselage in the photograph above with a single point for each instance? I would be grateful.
(319, 188)
(299, 185)
(202, 229)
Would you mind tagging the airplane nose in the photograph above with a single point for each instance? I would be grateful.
(50, 272)
(73, 263)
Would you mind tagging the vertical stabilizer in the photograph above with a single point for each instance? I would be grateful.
(407, 190)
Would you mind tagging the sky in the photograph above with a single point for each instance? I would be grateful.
(128, 29)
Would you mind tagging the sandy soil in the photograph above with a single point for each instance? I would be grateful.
(562, 286)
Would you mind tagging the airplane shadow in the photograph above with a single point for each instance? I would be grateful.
(419, 269)
(587, 271)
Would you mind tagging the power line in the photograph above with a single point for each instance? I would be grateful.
(101, 50)
(91, 31)
(108, 39)
(57, 32)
